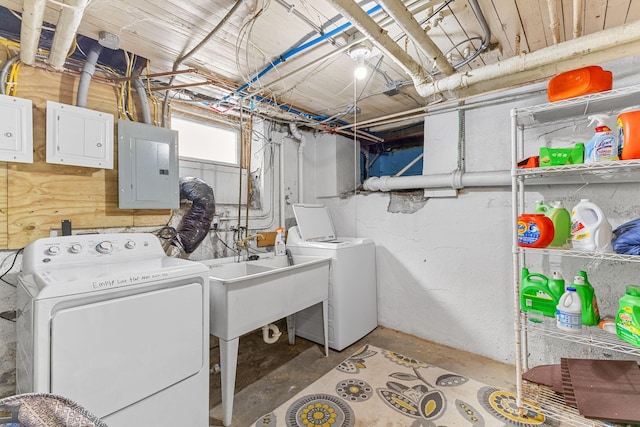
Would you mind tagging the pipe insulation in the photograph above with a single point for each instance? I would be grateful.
(399, 12)
(88, 69)
(30, 29)
(196, 223)
(66, 28)
(599, 47)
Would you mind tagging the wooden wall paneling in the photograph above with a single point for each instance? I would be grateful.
(41, 195)
(3, 206)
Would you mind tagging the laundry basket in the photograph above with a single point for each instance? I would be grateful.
(45, 410)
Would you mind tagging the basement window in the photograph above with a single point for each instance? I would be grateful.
(206, 142)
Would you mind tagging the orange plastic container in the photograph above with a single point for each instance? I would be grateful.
(629, 134)
(535, 230)
(579, 82)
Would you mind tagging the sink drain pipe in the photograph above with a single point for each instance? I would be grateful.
(270, 333)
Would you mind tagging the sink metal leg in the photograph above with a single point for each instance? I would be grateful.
(291, 329)
(325, 323)
(228, 363)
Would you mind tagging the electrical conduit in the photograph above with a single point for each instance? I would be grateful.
(87, 73)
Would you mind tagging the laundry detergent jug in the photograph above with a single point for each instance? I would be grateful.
(629, 133)
(590, 230)
(535, 294)
(628, 317)
(534, 230)
(569, 313)
(561, 219)
(590, 311)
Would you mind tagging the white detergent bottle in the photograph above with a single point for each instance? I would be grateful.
(590, 230)
(279, 246)
(569, 311)
(603, 146)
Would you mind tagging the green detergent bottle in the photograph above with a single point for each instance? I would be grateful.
(590, 311)
(535, 294)
(628, 317)
(561, 219)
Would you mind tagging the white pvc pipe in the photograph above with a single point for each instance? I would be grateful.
(455, 180)
(66, 29)
(554, 22)
(295, 132)
(270, 333)
(283, 205)
(411, 27)
(32, 17)
(593, 48)
(578, 13)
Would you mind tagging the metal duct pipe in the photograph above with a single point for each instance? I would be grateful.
(32, 17)
(578, 13)
(593, 48)
(554, 22)
(401, 15)
(367, 26)
(455, 180)
(66, 29)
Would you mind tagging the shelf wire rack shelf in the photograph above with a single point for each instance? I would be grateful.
(543, 399)
(609, 256)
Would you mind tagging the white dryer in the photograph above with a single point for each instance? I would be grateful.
(353, 310)
(112, 323)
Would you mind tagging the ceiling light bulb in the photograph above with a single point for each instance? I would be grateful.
(360, 71)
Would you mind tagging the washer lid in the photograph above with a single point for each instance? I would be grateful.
(314, 222)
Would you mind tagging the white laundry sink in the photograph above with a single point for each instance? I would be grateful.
(247, 295)
(250, 294)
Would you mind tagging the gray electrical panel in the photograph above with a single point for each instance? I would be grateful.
(147, 166)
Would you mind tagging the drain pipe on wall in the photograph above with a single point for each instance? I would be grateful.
(296, 134)
(455, 180)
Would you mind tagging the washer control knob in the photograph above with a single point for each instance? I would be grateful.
(130, 244)
(104, 247)
(76, 248)
(53, 250)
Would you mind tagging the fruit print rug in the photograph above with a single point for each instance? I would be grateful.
(377, 387)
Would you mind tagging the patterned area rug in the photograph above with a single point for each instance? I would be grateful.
(377, 387)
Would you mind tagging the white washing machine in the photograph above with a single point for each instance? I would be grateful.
(112, 323)
(353, 310)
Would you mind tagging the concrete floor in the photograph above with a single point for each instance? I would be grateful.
(269, 375)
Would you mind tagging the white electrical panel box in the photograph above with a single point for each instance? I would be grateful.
(147, 166)
(16, 130)
(78, 136)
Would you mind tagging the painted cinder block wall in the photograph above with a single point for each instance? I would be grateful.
(445, 264)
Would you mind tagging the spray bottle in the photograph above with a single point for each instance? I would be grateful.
(279, 246)
(603, 146)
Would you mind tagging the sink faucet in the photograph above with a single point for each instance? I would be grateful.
(244, 243)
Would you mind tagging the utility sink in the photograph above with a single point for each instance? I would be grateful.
(247, 295)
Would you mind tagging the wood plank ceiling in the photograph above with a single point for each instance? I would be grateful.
(314, 85)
